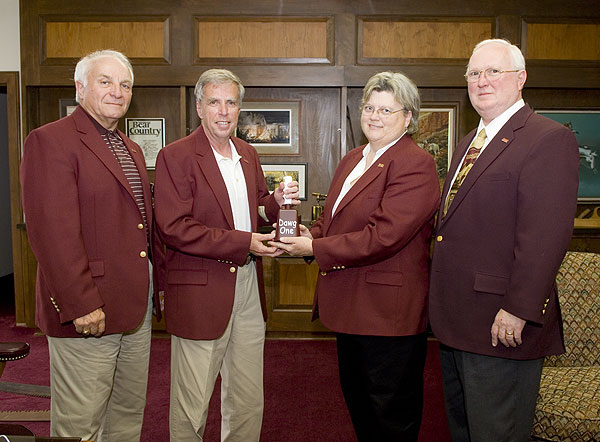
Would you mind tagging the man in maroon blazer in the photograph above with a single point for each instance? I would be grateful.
(88, 208)
(502, 231)
(211, 197)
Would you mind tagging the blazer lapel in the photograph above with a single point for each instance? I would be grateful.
(210, 169)
(361, 184)
(94, 141)
(336, 187)
(457, 157)
(495, 147)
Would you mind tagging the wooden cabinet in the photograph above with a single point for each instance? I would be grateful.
(290, 287)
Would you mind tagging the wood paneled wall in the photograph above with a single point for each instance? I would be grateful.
(264, 40)
(64, 40)
(320, 52)
(393, 41)
(562, 41)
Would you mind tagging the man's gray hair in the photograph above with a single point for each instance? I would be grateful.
(515, 53)
(404, 90)
(83, 65)
(218, 76)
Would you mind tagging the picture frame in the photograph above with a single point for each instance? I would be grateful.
(584, 123)
(66, 106)
(272, 127)
(438, 128)
(149, 134)
(274, 174)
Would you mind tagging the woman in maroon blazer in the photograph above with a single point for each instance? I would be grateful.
(372, 247)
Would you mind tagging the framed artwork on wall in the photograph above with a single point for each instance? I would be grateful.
(272, 127)
(66, 106)
(274, 174)
(437, 133)
(584, 124)
(149, 133)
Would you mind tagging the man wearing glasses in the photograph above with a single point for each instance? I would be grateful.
(505, 221)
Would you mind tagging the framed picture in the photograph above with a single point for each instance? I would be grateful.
(437, 133)
(584, 124)
(274, 174)
(66, 106)
(272, 127)
(149, 133)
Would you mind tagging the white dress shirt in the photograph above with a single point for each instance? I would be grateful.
(491, 130)
(359, 170)
(233, 175)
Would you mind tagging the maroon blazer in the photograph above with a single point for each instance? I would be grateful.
(83, 225)
(195, 221)
(504, 237)
(373, 254)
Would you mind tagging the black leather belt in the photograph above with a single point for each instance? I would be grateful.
(249, 259)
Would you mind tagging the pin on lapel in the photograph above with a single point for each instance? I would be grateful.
(380, 165)
(505, 140)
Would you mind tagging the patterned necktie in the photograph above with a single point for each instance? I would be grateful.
(117, 146)
(465, 167)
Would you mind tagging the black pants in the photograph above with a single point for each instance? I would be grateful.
(382, 382)
(489, 399)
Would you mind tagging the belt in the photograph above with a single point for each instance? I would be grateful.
(249, 259)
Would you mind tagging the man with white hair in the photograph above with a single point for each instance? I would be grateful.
(504, 225)
(88, 206)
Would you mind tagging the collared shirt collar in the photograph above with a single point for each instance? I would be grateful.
(496, 124)
(101, 129)
(380, 151)
(235, 156)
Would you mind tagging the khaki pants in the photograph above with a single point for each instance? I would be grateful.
(98, 385)
(238, 356)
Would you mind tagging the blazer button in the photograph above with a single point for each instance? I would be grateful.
(142, 254)
(543, 311)
(439, 238)
(323, 273)
(232, 269)
(140, 226)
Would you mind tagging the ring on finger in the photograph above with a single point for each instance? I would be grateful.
(509, 333)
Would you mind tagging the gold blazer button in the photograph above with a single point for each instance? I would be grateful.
(232, 269)
(140, 226)
(142, 254)
(439, 238)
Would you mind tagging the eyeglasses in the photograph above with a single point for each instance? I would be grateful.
(384, 112)
(490, 74)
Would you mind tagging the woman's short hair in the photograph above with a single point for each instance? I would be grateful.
(218, 76)
(403, 89)
(83, 65)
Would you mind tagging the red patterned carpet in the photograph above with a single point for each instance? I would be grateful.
(303, 400)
